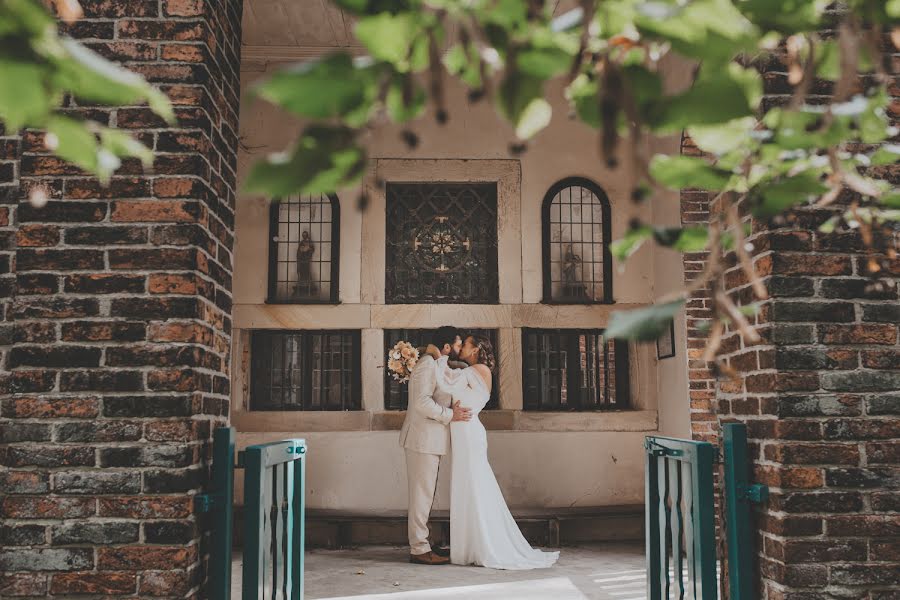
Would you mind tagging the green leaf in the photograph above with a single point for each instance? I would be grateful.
(320, 89)
(891, 199)
(324, 160)
(774, 197)
(122, 145)
(70, 140)
(535, 117)
(517, 92)
(91, 77)
(23, 98)
(463, 64)
(722, 138)
(543, 62)
(582, 94)
(720, 97)
(642, 324)
(401, 110)
(678, 172)
(683, 239)
(785, 16)
(887, 154)
(398, 39)
(25, 18)
(634, 238)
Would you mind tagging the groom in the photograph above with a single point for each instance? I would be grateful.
(425, 436)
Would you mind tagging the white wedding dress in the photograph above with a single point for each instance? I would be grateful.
(482, 530)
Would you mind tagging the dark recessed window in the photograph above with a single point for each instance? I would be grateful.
(577, 265)
(396, 395)
(573, 370)
(305, 370)
(304, 250)
(441, 243)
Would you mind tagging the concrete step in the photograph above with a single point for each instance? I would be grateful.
(544, 527)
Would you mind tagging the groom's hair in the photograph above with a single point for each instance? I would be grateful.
(445, 335)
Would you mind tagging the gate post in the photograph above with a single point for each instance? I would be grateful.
(219, 503)
(739, 494)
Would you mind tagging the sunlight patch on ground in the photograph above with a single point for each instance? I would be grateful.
(558, 588)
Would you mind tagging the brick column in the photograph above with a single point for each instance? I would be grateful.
(121, 319)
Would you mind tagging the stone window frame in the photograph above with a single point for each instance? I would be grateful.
(606, 230)
(335, 261)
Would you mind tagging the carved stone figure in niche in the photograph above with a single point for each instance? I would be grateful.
(573, 289)
(305, 250)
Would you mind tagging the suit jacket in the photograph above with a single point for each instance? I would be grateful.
(428, 415)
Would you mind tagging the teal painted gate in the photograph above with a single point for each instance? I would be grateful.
(680, 517)
(274, 518)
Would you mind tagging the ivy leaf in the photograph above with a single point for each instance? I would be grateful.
(401, 111)
(722, 138)
(544, 62)
(582, 94)
(888, 154)
(727, 94)
(774, 197)
(678, 172)
(642, 324)
(634, 238)
(93, 78)
(324, 160)
(535, 117)
(121, 144)
(70, 140)
(463, 64)
(517, 93)
(23, 98)
(320, 89)
(683, 239)
(398, 39)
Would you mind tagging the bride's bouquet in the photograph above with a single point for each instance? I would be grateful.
(401, 360)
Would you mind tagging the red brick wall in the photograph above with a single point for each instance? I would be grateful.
(120, 317)
(821, 397)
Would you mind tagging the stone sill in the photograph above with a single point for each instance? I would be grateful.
(494, 420)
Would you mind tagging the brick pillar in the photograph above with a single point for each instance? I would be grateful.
(122, 322)
(820, 397)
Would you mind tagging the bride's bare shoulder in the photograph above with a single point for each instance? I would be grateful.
(484, 372)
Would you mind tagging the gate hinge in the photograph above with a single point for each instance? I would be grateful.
(755, 492)
(204, 503)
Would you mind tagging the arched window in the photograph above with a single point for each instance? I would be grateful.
(304, 249)
(577, 265)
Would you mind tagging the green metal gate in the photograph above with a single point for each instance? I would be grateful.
(274, 523)
(680, 517)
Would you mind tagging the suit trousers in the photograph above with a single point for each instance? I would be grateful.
(421, 475)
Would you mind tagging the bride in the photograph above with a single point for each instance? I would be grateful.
(482, 530)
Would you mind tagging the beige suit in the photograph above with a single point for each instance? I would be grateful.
(425, 436)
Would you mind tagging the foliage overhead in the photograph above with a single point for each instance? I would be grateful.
(806, 147)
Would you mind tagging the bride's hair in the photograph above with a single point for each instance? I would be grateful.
(485, 351)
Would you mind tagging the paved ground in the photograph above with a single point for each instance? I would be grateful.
(594, 572)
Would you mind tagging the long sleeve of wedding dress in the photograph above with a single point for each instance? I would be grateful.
(482, 530)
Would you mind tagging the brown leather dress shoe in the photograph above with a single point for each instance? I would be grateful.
(429, 558)
(444, 551)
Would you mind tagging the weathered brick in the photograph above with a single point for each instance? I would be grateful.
(167, 583)
(101, 533)
(98, 431)
(101, 380)
(819, 405)
(106, 235)
(55, 308)
(148, 456)
(59, 260)
(145, 557)
(173, 481)
(862, 477)
(858, 288)
(826, 312)
(94, 583)
(37, 235)
(162, 211)
(146, 507)
(883, 404)
(54, 356)
(808, 454)
(153, 259)
(49, 456)
(50, 407)
(104, 283)
(22, 535)
(147, 406)
(102, 331)
(46, 559)
(861, 381)
(863, 333)
(97, 482)
(24, 482)
(23, 584)
(24, 432)
(170, 532)
(156, 308)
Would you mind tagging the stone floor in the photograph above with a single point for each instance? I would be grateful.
(613, 571)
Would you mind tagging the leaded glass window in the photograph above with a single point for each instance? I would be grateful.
(396, 395)
(305, 370)
(577, 263)
(574, 370)
(303, 249)
(441, 243)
